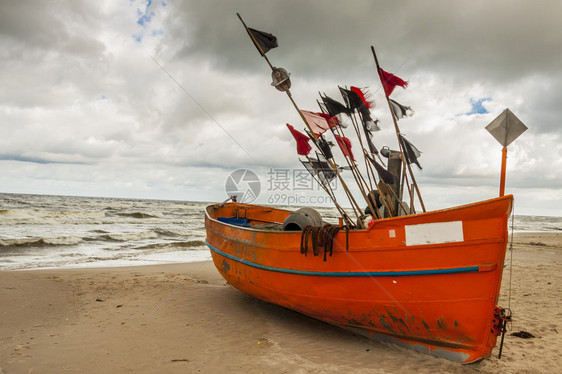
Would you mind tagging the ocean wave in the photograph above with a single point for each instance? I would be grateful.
(139, 215)
(19, 213)
(190, 244)
(186, 245)
(40, 242)
(41, 216)
(124, 237)
(168, 233)
(113, 258)
(181, 232)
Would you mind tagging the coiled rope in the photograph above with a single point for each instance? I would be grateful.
(321, 237)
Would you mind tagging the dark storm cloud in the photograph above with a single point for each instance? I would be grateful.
(499, 40)
(494, 44)
(313, 37)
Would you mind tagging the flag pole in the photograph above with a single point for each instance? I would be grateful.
(288, 92)
(358, 136)
(397, 130)
(358, 133)
(359, 212)
(367, 166)
(352, 114)
(356, 174)
(359, 179)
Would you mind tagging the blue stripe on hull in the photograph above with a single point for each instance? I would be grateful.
(346, 274)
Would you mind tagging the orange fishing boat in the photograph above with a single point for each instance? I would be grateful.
(428, 281)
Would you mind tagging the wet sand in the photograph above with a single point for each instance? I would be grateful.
(182, 318)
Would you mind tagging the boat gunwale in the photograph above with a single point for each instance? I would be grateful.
(371, 227)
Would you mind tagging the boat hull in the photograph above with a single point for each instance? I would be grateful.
(429, 281)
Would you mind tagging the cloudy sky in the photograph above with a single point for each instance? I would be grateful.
(164, 99)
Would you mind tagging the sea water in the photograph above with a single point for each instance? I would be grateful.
(40, 231)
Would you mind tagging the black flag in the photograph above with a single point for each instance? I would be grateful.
(411, 153)
(334, 107)
(263, 39)
(384, 174)
(400, 111)
(354, 102)
(372, 147)
(325, 147)
(320, 168)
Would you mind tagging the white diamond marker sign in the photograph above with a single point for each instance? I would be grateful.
(506, 128)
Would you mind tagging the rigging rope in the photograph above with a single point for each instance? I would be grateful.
(504, 315)
(511, 254)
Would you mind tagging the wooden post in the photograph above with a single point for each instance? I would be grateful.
(503, 171)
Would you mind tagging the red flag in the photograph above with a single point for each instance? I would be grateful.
(303, 148)
(357, 90)
(318, 122)
(389, 81)
(332, 121)
(345, 146)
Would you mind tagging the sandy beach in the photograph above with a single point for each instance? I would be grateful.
(183, 318)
